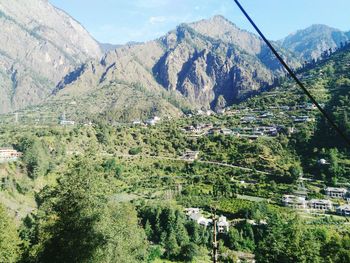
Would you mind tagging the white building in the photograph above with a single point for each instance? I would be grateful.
(153, 121)
(190, 155)
(344, 210)
(226, 131)
(191, 210)
(320, 204)
(293, 201)
(199, 219)
(223, 225)
(9, 155)
(67, 123)
(335, 192)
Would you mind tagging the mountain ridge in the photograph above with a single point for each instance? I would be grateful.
(311, 42)
(39, 45)
(208, 64)
(204, 69)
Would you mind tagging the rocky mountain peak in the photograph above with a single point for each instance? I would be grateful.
(218, 27)
(42, 44)
(311, 42)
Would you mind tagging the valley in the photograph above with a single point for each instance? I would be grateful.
(243, 158)
(156, 151)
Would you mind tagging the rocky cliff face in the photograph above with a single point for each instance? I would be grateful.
(205, 62)
(311, 42)
(39, 45)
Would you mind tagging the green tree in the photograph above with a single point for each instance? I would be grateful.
(112, 168)
(9, 240)
(36, 157)
(172, 249)
(77, 222)
(189, 252)
(287, 240)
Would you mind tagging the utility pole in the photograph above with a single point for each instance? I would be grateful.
(215, 241)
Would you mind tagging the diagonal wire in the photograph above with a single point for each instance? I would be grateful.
(292, 74)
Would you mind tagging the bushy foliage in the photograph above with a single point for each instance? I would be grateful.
(9, 239)
(169, 227)
(77, 223)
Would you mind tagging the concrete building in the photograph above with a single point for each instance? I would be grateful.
(190, 155)
(190, 211)
(67, 123)
(223, 225)
(293, 201)
(195, 215)
(320, 204)
(335, 192)
(343, 210)
(9, 155)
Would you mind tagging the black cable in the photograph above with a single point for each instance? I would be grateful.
(290, 71)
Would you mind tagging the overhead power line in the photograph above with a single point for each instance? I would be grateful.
(292, 74)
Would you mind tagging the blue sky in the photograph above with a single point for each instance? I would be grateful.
(121, 21)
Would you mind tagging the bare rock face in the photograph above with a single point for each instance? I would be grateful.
(213, 58)
(39, 45)
(210, 63)
(207, 64)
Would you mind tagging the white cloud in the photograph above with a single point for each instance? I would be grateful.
(157, 19)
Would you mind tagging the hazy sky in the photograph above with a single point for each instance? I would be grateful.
(121, 21)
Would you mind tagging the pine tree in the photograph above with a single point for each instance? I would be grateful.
(77, 222)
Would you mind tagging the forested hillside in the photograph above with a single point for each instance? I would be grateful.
(119, 193)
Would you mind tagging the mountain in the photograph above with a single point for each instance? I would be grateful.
(210, 63)
(39, 45)
(311, 42)
(106, 47)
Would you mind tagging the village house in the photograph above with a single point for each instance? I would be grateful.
(9, 155)
(285, 108)
(153, 121)
(335, 192)
(320, 204)
(343, 210)
(198, 130)
(303, 119)
(200, 112)
(195, 215)
(293, 201)
(248, 119)
(190, 155)
(191, 210)
(311, 106)
(266, 115)
(67, 123)
(271, 131)
(136, 122)
(209, 113)
(223, 225)
(226, 131)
